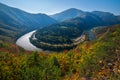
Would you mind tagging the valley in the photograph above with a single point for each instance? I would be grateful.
(93, 58)
(70, 45)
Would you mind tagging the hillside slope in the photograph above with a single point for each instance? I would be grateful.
(97, 60)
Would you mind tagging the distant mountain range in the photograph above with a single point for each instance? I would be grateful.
(67, 14)
(73, 13)
(86, 20)
(13, 20)
(18, 18)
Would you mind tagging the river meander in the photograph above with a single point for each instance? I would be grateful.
(24, 42)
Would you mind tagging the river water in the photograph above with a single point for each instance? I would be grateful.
(24, 42)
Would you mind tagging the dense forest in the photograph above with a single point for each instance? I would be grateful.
(96, 60)
(48, 38)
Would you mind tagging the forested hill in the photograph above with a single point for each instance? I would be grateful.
(98, 59)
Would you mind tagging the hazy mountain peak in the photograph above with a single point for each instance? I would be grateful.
(67, 14)
(73, 9)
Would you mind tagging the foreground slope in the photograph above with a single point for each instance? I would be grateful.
(98, 59)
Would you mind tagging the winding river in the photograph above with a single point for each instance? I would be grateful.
(24, 42)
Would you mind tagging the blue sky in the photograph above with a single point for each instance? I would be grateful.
(54, 6)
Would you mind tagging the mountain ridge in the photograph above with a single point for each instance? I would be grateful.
(73, 13)
(22, 21)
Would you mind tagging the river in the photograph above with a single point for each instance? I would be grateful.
(24, 42)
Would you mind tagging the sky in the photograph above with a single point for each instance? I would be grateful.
(55, 6)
